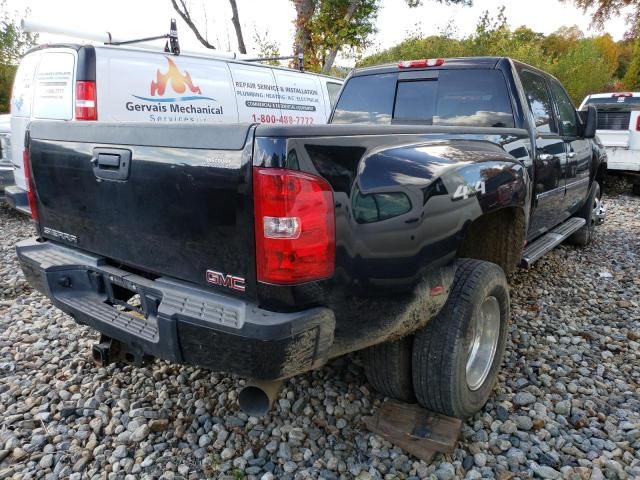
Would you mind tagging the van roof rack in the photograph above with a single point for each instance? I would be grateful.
(172, 45)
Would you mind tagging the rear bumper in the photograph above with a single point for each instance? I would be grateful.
(17, 198)
(182, 323)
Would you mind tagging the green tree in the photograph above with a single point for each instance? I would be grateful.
(324, 28)
(631, 80)
(13, 43)
(267, 48)
(561, 41)
(582, 71)
(583, 65)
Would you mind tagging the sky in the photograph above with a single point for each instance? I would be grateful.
(274, 19)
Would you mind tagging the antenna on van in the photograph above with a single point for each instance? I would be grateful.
(172, 45)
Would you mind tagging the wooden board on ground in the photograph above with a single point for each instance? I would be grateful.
(418, 431)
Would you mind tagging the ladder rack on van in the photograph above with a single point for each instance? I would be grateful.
(172, 45)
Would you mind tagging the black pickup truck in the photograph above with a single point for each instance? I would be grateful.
(265, 251)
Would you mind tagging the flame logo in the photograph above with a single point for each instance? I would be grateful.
(178, 81)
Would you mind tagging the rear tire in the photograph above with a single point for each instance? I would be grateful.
(388, 368)
(454, 369)
(585, 235)
(635, 188)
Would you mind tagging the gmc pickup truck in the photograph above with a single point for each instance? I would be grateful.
(265, 251)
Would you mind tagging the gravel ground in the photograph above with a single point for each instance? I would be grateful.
(567, 404)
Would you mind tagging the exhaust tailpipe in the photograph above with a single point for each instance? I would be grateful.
(257, 397)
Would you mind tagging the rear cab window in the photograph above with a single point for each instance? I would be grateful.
(457, 97)
(615, 112)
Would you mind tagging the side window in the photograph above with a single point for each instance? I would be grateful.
(333, 89)
(535, 89)
(566, 110)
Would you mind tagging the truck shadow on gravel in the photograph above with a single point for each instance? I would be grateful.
(567, 401)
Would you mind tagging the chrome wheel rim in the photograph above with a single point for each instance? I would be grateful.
(485, 332)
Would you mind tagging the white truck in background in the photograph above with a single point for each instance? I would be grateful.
(619, 131)
(76, 82)
(6, 167)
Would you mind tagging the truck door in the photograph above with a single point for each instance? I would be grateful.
(550, 156)
(577, 173)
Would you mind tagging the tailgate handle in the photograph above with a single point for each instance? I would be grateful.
(111, 163)
(106, 160)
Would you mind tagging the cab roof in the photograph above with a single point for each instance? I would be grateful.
(449, 63)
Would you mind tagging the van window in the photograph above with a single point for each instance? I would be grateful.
(54, 86)
(333, 89)
(454, 97)
(23, 85)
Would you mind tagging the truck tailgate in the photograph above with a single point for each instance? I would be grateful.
(614, 138)
(168, 200)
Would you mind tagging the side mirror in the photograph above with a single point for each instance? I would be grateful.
(589, 119)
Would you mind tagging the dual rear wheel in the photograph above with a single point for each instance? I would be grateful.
(450, 366)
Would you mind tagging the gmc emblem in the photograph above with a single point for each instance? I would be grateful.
(229, 281)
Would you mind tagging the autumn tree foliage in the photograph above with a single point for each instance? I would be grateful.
(324, 28)
(583, 64)
(603, 10)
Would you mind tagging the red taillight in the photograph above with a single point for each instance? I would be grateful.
(623, 94)
(638, 123)
(425, 62)
(31, 193)
(86, 100)
(295, 226)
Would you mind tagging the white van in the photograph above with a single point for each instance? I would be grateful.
(115, 84)
(619, 131)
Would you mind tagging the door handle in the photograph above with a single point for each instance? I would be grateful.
(571, 155)
(545, 157)
(111, 163)
(107, 160)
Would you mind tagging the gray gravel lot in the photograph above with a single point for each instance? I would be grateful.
(567, 404)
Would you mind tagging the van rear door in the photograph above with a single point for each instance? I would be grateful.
(43, 89)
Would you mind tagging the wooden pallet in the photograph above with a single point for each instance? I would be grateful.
(417, 431)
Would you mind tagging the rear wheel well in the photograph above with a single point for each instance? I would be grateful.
(496, 237)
